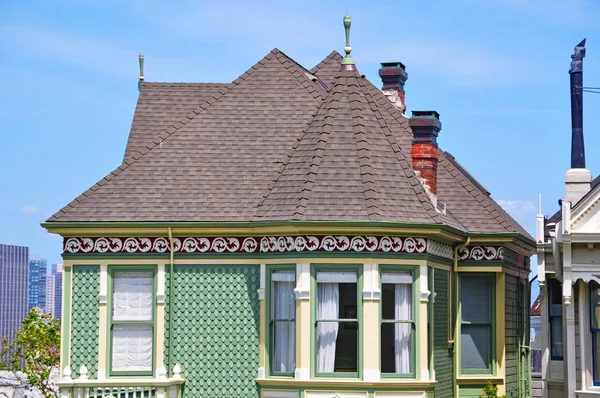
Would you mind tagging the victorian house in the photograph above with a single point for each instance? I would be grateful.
(291, 234)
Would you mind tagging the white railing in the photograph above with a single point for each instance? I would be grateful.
(84, 387)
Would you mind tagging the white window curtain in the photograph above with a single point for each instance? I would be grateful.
(328, 307)
(557, 337)
(284, 358)
(402, 331)
(132, 302)
(132, 348)
(132, 299)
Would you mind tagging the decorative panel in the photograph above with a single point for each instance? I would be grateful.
(85, 319)
(215, 329)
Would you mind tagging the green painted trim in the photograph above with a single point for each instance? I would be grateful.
(415, 340)
(430, 322)
(491, 370)
(313, 313)
(269, 301)
(66, 316)
(129, 268)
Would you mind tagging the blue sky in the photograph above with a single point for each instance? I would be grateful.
(496, 71)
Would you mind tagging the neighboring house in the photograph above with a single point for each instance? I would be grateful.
(291, 234)
(569, 275)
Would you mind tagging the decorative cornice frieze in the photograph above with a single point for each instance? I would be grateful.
(266, 244)
(482, 253)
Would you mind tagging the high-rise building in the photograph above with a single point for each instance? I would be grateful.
(13, 289)
(54, 291)
(37, 282)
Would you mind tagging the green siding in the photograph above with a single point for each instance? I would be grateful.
(215, 329)
(442, 356)
(512, 337)
(85, 319)
(469, 391)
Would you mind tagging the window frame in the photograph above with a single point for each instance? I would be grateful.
(491, 368)
(270, 341)
(358, 269)
(112, 269)
(595, 334)
(414, 271)
(557, 285)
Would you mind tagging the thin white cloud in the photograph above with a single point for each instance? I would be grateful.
(30, 210)
(519, 209)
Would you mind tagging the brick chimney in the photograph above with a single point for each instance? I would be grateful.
(425, 126)
(393, 75)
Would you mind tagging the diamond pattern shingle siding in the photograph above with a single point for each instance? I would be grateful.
(84, 319)
(216, 335)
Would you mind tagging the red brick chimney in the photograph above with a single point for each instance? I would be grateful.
(393, 75)
(425, 126)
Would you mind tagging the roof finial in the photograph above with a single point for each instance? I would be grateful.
(348, 61)
(141, 81)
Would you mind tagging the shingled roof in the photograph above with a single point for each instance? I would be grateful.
(280, 143)
(556, 217)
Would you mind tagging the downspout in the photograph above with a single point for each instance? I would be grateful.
(170, 368)
(453, 314)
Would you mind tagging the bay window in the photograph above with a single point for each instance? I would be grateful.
(132, 322)
(337, 323)
(476, 329)
(397, 323)
(283, 321)
(595, 330)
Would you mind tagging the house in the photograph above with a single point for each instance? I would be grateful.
(291, 234)
(569, 275)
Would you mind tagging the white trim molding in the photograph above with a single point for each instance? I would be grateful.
(160, 282)
(371, 291)
(302, 289)
(102, 297)
(424, 296)
(302, 374)
(263, 282)
(371, 375)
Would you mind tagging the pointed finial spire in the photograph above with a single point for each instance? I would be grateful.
(141, 81)
(348, 61)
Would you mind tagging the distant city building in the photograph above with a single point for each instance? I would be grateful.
(13, 289)
(54, 291)
(37, 282)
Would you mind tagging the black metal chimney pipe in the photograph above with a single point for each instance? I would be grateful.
(576, 72)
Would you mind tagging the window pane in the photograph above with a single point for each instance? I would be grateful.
(283, 307)
(337, 342)
(596, 355)
(282, 295)
(556, 338)
(284, 347)
(475, 298)
(397, 302)
(396, 347)
(595, 298)
(475, 346)
(132, 348)
(132, 296)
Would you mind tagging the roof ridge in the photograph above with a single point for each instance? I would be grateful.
(127, 162)
(364, 154)
(408, 170)
(324, 62)
(301, 77)
(497, 210)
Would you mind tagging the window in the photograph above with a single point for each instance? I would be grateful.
(476, 333)
(283, 322)
(595, 330)
(132, 331)
(337, 323)
(397, 323)
(555, 318)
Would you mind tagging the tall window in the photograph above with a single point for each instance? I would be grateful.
(555, 318)
(397, 323)
(283, 321)
(132, 331)
(337, 323)
(476, 333)
(595, 330)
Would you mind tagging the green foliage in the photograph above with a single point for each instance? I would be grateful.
(490, 391)
(35, 352)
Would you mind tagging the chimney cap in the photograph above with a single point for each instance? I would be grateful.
(395, 65)
(425, 115)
